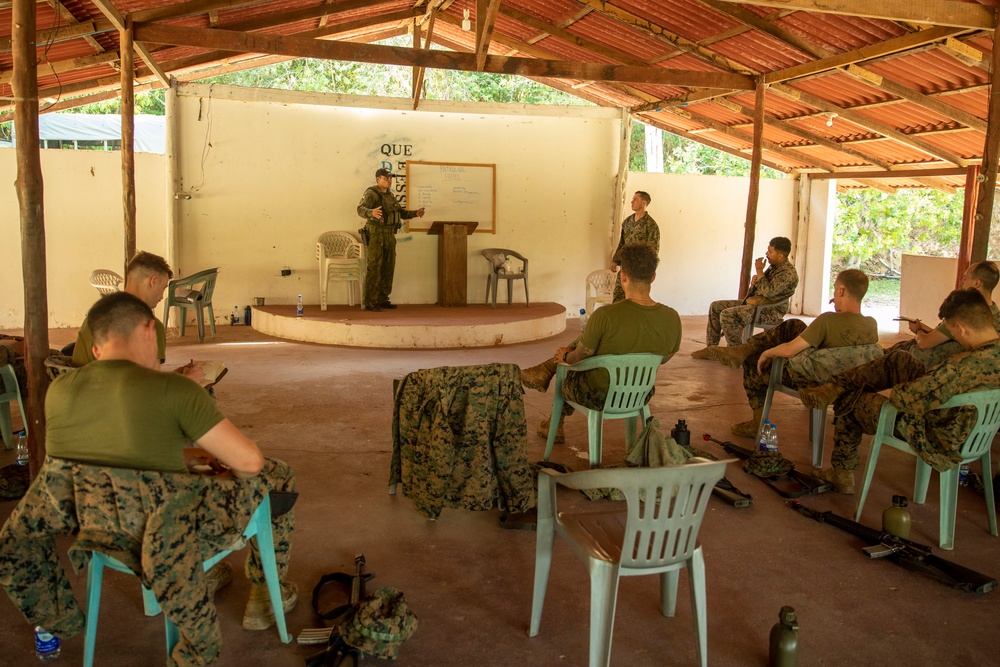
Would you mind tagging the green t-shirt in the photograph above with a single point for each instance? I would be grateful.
(628, 328)
(996, 322)
(118, 413)
(83, 351)
(841, 330)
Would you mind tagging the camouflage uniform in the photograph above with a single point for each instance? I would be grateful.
(162, 526)
(731, 316)
(459, 439)
(936, 436)
(933, 356)
(798, 372)
(645, 230)
(381, 256)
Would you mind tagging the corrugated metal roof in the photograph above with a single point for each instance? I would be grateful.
(685, 35)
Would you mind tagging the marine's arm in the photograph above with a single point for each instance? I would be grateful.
(785, 351)
(239, 453)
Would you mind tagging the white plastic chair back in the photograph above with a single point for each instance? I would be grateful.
(341, 257)
(656, 534)
(105, 281)
(600, 287)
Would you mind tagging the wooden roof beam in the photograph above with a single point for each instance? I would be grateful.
(867, 123)
(192, 8)
(898, 173)
(752, 20)
(295, 46)
(937, 12)
(60, 66)
(486, 20)
(70, 20)
(118, 20)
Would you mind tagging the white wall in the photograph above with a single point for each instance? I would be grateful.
(84, 227)
(924, 283)
(701, 221)
(267, 178)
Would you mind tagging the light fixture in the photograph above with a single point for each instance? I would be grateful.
(466, 23)
(829, 118)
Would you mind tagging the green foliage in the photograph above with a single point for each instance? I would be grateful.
(683, 156)
(873, 229)
(150, 103)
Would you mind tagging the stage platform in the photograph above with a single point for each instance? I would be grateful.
(413, 326)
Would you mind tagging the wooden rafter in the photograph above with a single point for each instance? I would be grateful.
(752, 20)
(118, 21)
(937, 12)
(418, 72)
(486, 20)
(177, 10)
(60, 66)
(867, 123)
(899, 173)
(67, 17)
(228, 40)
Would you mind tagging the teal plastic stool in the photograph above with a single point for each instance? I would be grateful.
(259, 527)
(976, 448)
(10, 392)
(632, 377)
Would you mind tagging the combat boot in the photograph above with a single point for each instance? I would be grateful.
(732, 355)
(258, 614)
(543, 430)
(842, 480)
(748, 429)
(538, 377)
(820, 396)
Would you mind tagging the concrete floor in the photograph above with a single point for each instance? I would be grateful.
(327, 412)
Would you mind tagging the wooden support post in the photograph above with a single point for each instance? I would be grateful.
(991, 153)
(968, 222)
(750, 228)
(30, 204)
(128, 139)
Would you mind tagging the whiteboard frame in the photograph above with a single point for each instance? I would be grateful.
(491, 228)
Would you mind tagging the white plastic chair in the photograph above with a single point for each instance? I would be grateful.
(631, 378)
(600, 288)
(105, 281)
(755, 323)
(976, 448)
(341, 257)
(645, 538)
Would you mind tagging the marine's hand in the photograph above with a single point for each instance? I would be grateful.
(915, 326)
(192, 371)
(561, 353)
(377, 213)
(759, 264)
(198, 461)
(420, 212)
(763, 363)
(614, 266)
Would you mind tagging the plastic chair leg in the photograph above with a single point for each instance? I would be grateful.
(669, 581)
(172, 634)
(211, 319)
(323, 284)
(869, 473)
(526, 302)
(6, 427)
(182, 320)
(496, 281)
(150, 606)
(510, 292)
(948, 508)
(595, 433)
(557, 405)
(543, 563)
(265, 545)
(817, 435)
(95, 575)
(921, 481)
(991, 507)
(166, 313)
(199, 315)
(696, 577)
(603, 597)
(489, 282)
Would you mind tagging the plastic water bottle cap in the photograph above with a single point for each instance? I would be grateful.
(583, 311)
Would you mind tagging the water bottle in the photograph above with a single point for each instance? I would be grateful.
(896, 518)
(772, 440)
(963, 475)
(583, 319)
(765, 436)
(784, 651)
(246, 315)
(299, 309)
(46, 644)
(681, 434)
(22, 448)
(234, 319)
(506, 264)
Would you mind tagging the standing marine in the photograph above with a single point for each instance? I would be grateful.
(383, 218)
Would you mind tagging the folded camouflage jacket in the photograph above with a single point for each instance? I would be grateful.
(459, 439)
(814, 366)
(162, 526)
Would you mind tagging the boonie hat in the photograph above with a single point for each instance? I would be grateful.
(384, 172)
(379, 624)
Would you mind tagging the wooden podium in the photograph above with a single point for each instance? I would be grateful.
(453, 263)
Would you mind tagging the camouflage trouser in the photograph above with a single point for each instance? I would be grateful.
(930, 357)
(729, 318)
(619, 291)
(857, 409)
(754, 383)
(162, 526)
(381, 264)
(576, 388)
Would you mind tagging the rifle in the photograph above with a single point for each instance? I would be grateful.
(791, 484)
(909, 555)
(724, 489)
(355, 583)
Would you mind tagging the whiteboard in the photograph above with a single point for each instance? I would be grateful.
(452, 191)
